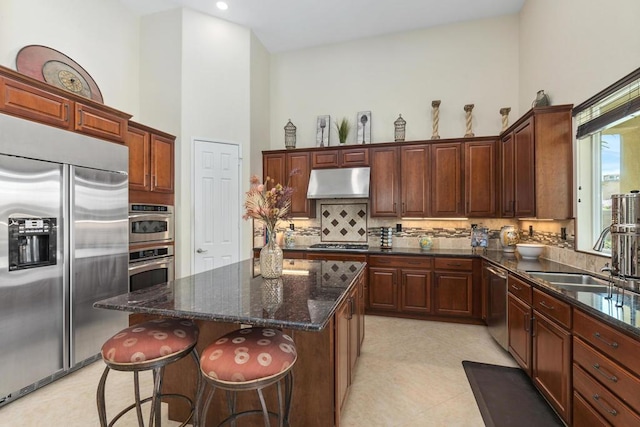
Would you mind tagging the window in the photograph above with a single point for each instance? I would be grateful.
(608, 156)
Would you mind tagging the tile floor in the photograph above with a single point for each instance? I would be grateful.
(409, 374)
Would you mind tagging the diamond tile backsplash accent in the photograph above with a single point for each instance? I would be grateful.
(343, 222)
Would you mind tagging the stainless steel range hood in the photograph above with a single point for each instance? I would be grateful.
(342, 183)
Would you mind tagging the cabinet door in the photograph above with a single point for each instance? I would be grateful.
(354, 157)
(324, 159)
(454, 294)
(300, 205)
(446, 180)
(91, 121)
(507, 193)
(524, 170)
(342, 354)
(139, 143)
(519, 330)
(385, 182)
(273, 167)
(31, 103)
(383, 292)
(551, 367)
(353, 333)
(162, 164)
(415, 291)
(360, 306)
(415, 176)
(480, 179)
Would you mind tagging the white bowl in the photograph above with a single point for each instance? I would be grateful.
(530, 250)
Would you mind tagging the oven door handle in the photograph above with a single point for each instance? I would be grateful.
(137, 267)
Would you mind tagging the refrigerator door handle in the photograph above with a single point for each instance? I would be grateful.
(67, 256)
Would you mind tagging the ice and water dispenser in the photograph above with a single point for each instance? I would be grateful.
(32, 242)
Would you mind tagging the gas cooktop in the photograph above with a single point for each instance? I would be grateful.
(340, 246)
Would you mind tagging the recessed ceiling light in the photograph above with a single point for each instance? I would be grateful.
(222, 5)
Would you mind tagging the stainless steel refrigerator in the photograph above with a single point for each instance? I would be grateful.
(63, 245)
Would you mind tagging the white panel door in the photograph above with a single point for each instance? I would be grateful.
(216, 205)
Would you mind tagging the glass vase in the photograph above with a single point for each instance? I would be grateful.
(271, 257)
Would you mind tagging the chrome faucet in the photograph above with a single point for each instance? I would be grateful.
(600, 242)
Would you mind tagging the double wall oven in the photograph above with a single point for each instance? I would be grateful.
(151, 235)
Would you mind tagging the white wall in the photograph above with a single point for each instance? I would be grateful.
(468, 63)
(102, 37)
(260, 98)
(575, 48)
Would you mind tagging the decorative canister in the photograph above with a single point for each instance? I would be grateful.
(426, 243)
(508, 238)
(289, 239)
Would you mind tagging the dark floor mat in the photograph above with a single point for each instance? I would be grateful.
(507, 397)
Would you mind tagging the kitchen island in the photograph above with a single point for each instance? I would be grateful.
(320, 304)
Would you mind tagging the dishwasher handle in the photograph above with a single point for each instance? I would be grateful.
(498, 272)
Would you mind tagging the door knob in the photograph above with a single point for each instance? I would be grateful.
(201, 251)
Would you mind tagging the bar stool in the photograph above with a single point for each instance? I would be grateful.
(150, 345)
(249, 359)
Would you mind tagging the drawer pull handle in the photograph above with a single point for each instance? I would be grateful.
(548, 307)
(384, 262)
(596, 397)
(517, 288)
(414, 262)
(454, 265)
(602, 372)
(610, 344)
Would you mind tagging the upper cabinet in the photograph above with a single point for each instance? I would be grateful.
(342, 158)
(100, 123)
(415, 175)
(480, 185)
(278, 166)
(536, 165)
(446, 180)
(151, 164)
(385, 182)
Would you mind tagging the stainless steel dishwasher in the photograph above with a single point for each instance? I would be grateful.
(497, 303)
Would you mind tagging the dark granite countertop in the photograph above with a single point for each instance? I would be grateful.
(626, 317)
(304, 298)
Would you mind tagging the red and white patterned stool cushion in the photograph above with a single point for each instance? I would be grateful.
(246, 355)
(150, 340)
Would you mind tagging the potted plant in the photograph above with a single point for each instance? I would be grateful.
(343, 127)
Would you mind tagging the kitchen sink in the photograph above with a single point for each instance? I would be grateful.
(576, 282)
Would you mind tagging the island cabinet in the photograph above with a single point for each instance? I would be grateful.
(457, 287)
(279, 165)
(551, 360)
(340, 158)
(606, 374)
(151, 165)
(400, 285)
(536, 158)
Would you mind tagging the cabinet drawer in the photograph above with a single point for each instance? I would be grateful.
(607, 372)
(400, 261)
(602, 400)
(612, 343)
(552, 307)
(584, 414)
(333, 256)
(459, 264)
(520, 289)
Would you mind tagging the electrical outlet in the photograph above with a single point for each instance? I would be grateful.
(292, 227)
(531, 231)
(398, 228)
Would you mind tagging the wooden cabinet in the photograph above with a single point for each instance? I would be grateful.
(29, 102)
(519, 331)
(385, 182)
(347, 338)
(606, 374)
(100, 123)
(536, 165)
(454, 290)
(446, 180)
(480, 183)
(340, 158)
(400, 284)
(278, 166)
(151, 165)
(415, 175)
